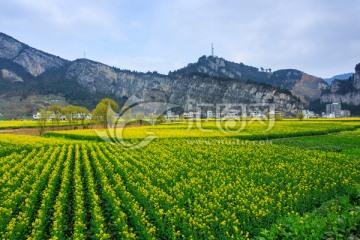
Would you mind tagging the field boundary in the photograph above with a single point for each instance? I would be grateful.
(245, 137)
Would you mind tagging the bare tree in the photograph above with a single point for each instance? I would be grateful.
(57, 112)
(44, 115)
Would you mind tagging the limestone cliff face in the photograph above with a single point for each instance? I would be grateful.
(9, 47)
(36, 62)
(345, 91)
(211, 80)
(182, 90)
(304, 86)
(351, 98)
(307, 87)
(221, 68)
(356, 82)
(11, 76)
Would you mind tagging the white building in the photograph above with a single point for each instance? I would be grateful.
(308, 114)
(257, 114)
(171, 115)
(231, 115)
(51, 116)
(192, 115)
(345, 113)
(333, 110)
(38, 116)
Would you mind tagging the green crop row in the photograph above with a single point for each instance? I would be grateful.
(170, 189)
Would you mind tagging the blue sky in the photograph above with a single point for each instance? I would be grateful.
(320, 37)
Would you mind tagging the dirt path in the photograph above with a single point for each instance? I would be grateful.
(22, 131)
(36, 132)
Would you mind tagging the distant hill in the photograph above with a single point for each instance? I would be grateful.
(343, 76)
(221, 68)
(30, 79)
(34, 61)
(346, 92)
(302, 85)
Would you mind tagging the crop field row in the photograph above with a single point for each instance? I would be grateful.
(166, 190)
(346, 141)
(249, 130)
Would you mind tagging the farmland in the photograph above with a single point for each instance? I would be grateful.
(15, 124)
(246, 130)
(185, 184)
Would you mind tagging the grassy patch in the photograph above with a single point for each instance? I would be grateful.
(347, 142)
(335, 219)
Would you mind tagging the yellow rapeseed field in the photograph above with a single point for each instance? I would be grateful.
(186, 184)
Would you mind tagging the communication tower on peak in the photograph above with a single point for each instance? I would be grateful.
(212, 50)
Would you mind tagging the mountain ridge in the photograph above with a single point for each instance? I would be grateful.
(345, 91)
(302, 85)
(26, 71)
(23, 54)
(343, 76)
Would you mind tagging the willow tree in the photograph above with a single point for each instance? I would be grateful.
(104, 111)
(57, 112)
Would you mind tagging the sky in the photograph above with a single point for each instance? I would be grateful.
(319, 37)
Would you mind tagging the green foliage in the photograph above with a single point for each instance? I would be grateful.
(335, 219)
(161, 118)
(101, 113)
(140, 116)
(278, 117)
(70, 112)
(339, 142)
(84, 113)
(300, 116)
(57, 113)
(317, 106)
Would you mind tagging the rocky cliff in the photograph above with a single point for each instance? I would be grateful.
(180, 89)
(36, 62)
(344, 91)
(221, 68)
(25, 72)
(10, 75)
(307, 87)
(343, 76)
(304, 86)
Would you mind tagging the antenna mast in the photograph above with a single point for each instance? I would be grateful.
(212, 50)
